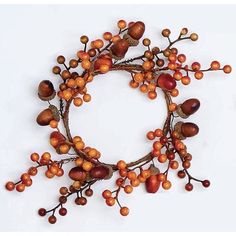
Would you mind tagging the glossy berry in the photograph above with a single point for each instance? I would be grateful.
(124, 211)
(206, 183)
(42, 212)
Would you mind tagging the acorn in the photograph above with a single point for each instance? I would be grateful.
(119, 49)
(46, 90)
(48, 115)
(77, 174)
(152, 184)
(135, 32)
(166, 81)
(186, 130)
(101, 172)
(188, 108)
(104, 59)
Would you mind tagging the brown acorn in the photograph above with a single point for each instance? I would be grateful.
(135, 32)
(188, 108)
(47, 115)
(46, 90)
(77, 174)
(152, 184)
(119, 49)
(101, 172)
(186, 130)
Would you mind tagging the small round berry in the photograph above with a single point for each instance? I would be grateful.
(181, 174)
(86, 64)
(63, 190)
(34, 157)
(166, 184)
(52, 219)
(62, 199)
(107, 36)
(146, 42)
(56, 70)
(121, 165)
(89, 192)
(10, 186)
(110, 201)
(124, 211)
(184, 31)
(61, 59)
(131, 175)
(87, 166)
(106, 193)
(189, 187)
(128, 189)
(227, 69)
(121, 24)
(152, 95)
(84, 39)
(87, 97)
(194, 37)
(42, 212)
(63, 211)
(206, 183)
(198, 75)
(165, 32)
(77, 102)
(151, 135)
(215, 65)
(53, 124)
(20, 187)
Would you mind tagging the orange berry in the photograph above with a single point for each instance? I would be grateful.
(143, 88)
(174, 92)
(135, 182)
(110, 201)
(98, 43)
(64, 148)
(79, 145)
(79, 161)
(157, 145)
(92, 153)
(123, 173)
(106, 194)
(133, 84)
(174, 165)
(152, 94)
(104, 68)
(80, 82)
(107, 36)
(166, 184)
(121, 165)
(172, 107)
(124, 211)
(185, 80)
(49, 174)
(53, 124)
(87, 97)
(139, 77)
(161, 177)
(86, 64)
(151, 135)
(162, 158)
(121, 24)
(20, 187)
(158, 132)
(77, 139)
(34, 157)
(227, 69)
(131, 175)
(198, 75)
(215, 65)
(87, 166)
(146, 174)
(46, 156)
(128, 189)
(177, 75)
(10, 186)
(77, 102)
(71, 83)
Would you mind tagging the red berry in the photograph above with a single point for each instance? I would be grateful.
(10, 186)
(206, 183)
(63, 211)
(52, 219)
(189, 187)
(42, 212)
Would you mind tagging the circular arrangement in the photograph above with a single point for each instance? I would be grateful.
(153, 72)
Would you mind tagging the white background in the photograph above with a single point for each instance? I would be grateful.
(118, 118)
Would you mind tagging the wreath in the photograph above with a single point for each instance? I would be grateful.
(155, 70)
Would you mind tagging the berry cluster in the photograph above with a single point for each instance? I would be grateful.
(156, 69)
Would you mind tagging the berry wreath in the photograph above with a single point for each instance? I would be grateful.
(158, 69)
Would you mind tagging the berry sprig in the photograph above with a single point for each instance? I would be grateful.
(155, 70)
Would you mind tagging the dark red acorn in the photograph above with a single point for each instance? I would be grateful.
(46, 90)
(187, 129)
(119, 49)
(166, 81)
(152, 184)
(77, 174)
(104, 59)
(101, 172)
(188, 108)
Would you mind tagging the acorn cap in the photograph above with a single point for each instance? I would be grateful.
(130, 40)
(154, 170)
(55, 112)
(47, 98)
(177, 128)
